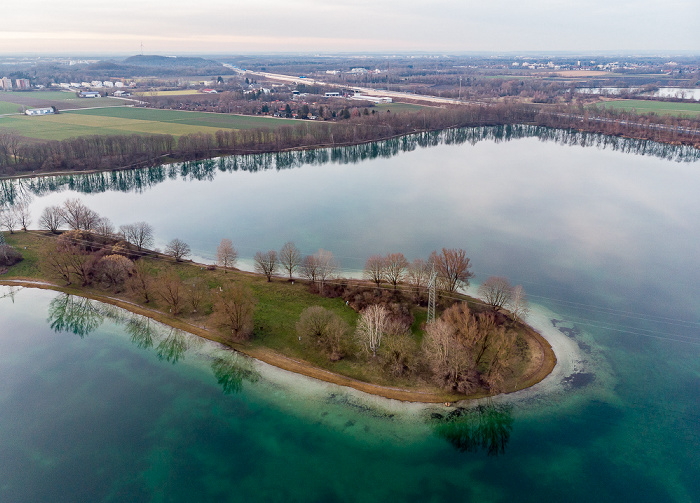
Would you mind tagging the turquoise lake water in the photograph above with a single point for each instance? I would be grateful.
(604, 238)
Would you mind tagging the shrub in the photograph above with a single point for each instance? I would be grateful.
(8, 255)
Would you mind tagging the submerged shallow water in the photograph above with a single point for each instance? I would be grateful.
(603, 238)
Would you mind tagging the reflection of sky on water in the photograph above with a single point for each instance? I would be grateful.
(598, 224)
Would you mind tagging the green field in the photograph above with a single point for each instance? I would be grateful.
(60, 99)
(9, 108)
(180, 92)
(398, 107)
(125, 120)
(659, 107)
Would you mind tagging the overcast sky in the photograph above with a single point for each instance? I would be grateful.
(234, 26)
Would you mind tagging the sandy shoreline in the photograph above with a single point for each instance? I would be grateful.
(564, 353)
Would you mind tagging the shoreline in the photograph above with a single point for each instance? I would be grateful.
(301, 148)
(542, 368)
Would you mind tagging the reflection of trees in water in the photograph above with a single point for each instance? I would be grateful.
(69, 313)
(142, 331)
(138, 180)
(173, 347)
(231, 369)
(484, 427)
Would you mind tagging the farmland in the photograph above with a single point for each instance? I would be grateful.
(126, 120)
(181, 92)
(658, 107)
(398, 107)
(13, 101)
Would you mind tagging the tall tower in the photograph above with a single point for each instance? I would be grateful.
(431, 296)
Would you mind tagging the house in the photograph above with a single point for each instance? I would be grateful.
(120, 94)
(89, 94)
(332, 94)
(5, 83)
(40, 111)
(22, 84)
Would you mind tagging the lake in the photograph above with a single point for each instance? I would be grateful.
(600, 231)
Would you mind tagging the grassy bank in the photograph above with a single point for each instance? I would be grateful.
(669, 108)
(275, 340)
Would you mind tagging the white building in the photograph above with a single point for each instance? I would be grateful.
(40, 111)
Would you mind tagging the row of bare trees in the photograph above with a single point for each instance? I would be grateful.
(319, 267)
(451, 267)
(109, 152)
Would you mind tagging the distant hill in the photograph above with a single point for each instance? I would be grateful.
(155, 66)
(171, 62)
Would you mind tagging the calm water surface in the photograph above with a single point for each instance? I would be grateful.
(604, 240)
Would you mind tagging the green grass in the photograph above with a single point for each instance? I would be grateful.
(38, 95)
(126, 120)
(659, 107)
(9, 108)
(180, 92)
(59, 99)
(398, 107)
(31, 246)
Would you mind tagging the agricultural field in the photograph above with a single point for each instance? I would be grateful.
(62, 100)
(181, 92)
(9, 108)
(127, 120)
(398, 107)
(659, 107)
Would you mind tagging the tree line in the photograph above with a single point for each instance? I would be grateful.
(112, 152)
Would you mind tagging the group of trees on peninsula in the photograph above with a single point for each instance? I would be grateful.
(465, 350)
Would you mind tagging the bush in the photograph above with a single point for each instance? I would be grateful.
(8, 255)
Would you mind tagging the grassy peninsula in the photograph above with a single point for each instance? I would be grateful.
(397, 370)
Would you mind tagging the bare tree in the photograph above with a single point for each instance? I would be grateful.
(23, 214)
(290, 258)
(395, 268)
(113, 270)
(139, 234)
(371, 327)
(226, 254)
(266, 263)
(51, 219)
(327, 266)
(197, 293)
(324, 329)
(374, 269)
(172, 291)
(78, 216)
(104, 227)
(496, 292)
(452, 266)
(141, 282)
(8, 220)
(177, 249)
(448, 358)
(419, 274)
(309, 268)
(56, 263)
(518, 304)
(234, 309)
